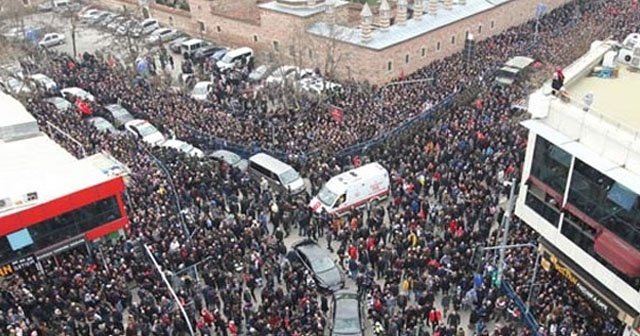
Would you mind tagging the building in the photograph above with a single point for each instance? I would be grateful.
(49, 200)
(344, 39)
(581, 178)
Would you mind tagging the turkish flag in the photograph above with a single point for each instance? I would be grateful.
(336, 113)
(83, 107)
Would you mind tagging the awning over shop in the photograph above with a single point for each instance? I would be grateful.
(618, 253)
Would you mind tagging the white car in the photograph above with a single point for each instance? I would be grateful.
(317, 85)
(16, 86)
(89, 15)
(184, 147)
(162, 34)
(51, 40)
(282, 74)
(201, 90)
(143, 130)
(44, 81)
(77, 92)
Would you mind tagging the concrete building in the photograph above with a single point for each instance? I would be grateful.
(300, 31)
(581, 178)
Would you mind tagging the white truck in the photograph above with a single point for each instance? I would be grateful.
(352, 189)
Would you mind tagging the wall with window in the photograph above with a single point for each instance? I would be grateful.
(57, 229)
(550, 165)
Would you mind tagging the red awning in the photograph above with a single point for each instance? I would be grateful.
(618, 253)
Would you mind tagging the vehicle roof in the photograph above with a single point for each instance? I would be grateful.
(40, 76)
(56, 99)
(73, 89)
(310, 248)
(148, 20)
(174, 143)
(203, 83)
(273, 164)
(223, 153)
(240, 51)
(346, 307)
(137, 122)
(192, 41)
(519, 62)
(370, 169)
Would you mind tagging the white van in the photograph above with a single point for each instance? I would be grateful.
(235, 56)
(188, 48)
(352, 189)
(279, 174)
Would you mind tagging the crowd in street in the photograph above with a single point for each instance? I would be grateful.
(410, 258)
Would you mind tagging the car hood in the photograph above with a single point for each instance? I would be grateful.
(331, 279)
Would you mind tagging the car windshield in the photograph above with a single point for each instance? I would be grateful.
(61, 104)
(200, 89)
(14, 84)
(146, 130)
(120, 113)
(228, 58)
(326, 196)
(346, 326)
(322, 264)
(232, 158)
(289, 176)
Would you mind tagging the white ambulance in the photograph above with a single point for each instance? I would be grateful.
(352, 189)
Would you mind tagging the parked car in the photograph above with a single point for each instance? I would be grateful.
(262, 72)
(116, 22)
(317, 85)
(205, 52)
(144, 131)
(283, 74)
(347, 313)
(230, 158)
(51, 40)
(201, 90)
(50, 5)
(318, 262)
(218, 55)
(89, 14)
(44, 82)
(77, 92)
(127, 27)
(16, 86)
(60, 104)
(175, 45)
(184, 147)
(162, 35)
(103, 125)
(108, 19)
(98, 18)
(145, 27)
(119, 114)
(235, 57)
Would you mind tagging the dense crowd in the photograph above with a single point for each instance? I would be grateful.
(409, 258)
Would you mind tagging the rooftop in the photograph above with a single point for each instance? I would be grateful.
(609, 132)
(300, 11)
(413, 28)
(36, 164)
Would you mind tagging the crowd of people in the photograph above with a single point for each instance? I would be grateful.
(410, 259)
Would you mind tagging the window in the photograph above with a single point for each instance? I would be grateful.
(493, 24)
(341, 200)
(466, 34)
(543, 204)
(407, 57)
(453, 39)
(479, 29)
(276, 46)
(606, 201)
(389, 65)
(255, 38)
(218, 29)
(57, 229)
(551, 165)
(310, 53)
(201, 26)
(438, 46)
(423, 52)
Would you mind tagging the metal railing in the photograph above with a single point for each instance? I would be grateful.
(528, 317)
(51, 127)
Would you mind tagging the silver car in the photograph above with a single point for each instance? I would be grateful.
(52, 40)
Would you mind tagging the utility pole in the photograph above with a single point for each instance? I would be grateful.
(506, 222)
(173, 293)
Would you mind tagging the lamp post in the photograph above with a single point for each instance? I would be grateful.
(173, 293)
(506, 222)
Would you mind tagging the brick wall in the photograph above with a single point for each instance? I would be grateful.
(281, 38)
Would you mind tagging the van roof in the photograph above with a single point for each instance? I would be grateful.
(239, 51)
(270, 162)
(148, 20)
(357, 174)
(519, 62)
(191, 41)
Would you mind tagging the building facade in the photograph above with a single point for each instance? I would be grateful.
(581, 180)
(404, 38)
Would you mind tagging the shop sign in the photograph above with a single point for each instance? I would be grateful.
(580, 286)
(16, 265)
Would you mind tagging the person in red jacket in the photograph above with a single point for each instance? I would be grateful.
(435, 316)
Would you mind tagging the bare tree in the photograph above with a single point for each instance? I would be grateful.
(331, 47)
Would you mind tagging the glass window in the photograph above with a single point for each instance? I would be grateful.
(606, 201)
(551, 165)
(543, 204)
(322, 265)
(583, 235)
(326, 196)
(289, 176)
(70, 224)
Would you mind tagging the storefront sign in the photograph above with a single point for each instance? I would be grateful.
(16, 265)
(582, 288)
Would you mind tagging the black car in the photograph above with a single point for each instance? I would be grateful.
(317, 260)
(347, 312)
(206, 52)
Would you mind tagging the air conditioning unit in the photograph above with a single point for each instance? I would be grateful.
(10, 203)
(631, 41)
(636, 51)
(5, 204)
(628, 57)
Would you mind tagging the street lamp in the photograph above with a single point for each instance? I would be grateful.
(173, 293)
(506, 222)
